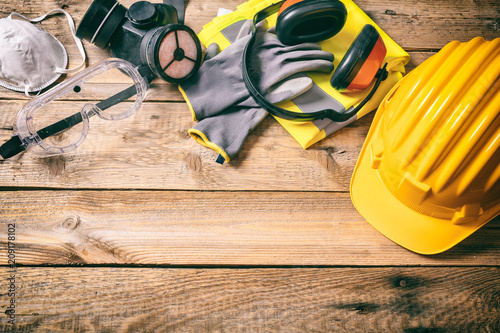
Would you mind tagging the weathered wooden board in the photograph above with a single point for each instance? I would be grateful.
(409, 23)
(159, 90)
(392, 299)
(211, 228)
(146, 233)
(152, 149)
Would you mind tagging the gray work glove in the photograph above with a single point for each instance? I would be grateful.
(226, 132)
(218, 97)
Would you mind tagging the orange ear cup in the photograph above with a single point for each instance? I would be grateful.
(369, 69)
(361, 63)
(288, 4)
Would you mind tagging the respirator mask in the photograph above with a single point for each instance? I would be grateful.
(31, 59)
(150, 36)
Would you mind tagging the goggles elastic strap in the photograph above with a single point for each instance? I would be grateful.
(15, 145)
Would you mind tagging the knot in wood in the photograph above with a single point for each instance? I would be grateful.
(71, 223)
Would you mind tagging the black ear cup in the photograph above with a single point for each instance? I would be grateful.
(309, 20)
(360, 64)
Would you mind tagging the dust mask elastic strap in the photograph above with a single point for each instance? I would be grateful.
(71, 24)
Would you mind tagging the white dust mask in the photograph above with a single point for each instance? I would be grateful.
(31, 59)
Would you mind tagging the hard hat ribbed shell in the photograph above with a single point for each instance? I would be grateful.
(438, 149)
(434, 146)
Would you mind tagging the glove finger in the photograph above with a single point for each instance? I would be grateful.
(261, 26)
(290, 69)
(289, 88)
(226, 132)
(272, 30)
(271, 41)
(266, 62)
(282, 91)
(245, 30)
(305, 55)
(234, 50)
(212, 51)
(310, 46)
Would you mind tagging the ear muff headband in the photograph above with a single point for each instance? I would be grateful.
(302, 21)
(249, 76)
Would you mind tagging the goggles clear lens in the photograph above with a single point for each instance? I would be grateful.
(58, 120)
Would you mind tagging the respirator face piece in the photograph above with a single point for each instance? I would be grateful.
(301, 21)
(147, 35)
(31, 59)
(171, 52)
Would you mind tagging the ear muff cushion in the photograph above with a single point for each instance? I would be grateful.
(309, 20)
(355, 57)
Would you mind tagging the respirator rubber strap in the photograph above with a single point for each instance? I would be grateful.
(334, 115)
(179, 7)
(15, 145)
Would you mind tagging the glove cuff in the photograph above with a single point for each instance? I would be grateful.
(202, 139)
(193, 114)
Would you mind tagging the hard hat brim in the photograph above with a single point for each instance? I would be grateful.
(415, 231)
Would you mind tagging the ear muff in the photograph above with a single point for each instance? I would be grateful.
(301, 21)
(360, 64)
(368, 51)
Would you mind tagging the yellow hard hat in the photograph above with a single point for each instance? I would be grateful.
(428, 174)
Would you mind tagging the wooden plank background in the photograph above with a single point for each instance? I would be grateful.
(139, 230)
(389, 299)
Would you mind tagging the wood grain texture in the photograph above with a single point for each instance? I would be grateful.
(406, 22)
(392, 299)
(152, 149)
(139, 230)
(211, 228)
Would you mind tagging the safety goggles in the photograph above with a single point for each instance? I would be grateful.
(50, 122)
